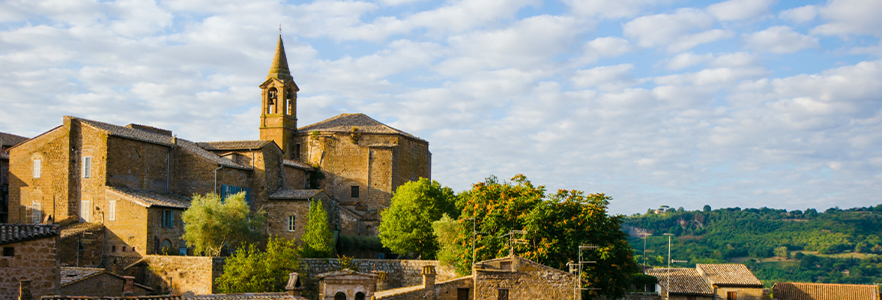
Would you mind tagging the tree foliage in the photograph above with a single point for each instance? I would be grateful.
(250, 270)
(445, 230)
(406, 226)
(556, 225)
(318, 239)
(210, 224)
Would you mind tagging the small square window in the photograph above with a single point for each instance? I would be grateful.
(354, 191)
(8, 251)
(123, 249)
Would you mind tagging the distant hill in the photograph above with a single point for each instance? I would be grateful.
(836, 246)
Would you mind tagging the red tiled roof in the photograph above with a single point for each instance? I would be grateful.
(824, 291)
(728, 274)
(682, 281)
(15, 233)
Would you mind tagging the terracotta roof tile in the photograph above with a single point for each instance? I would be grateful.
(345, 123)
(232, 145)
(70, 274)
(824, 291)
(294, 194)
(682, 281)
(150, 198)
(72, 229)
(15, 233)
(195, 149)
(728, 274)
(296, 164)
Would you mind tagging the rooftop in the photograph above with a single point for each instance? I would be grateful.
(296, 164)
(345, 123)
(150, 198)
(728, 274)
(824, 291)
(15, 233)
(72, 274)
(294, 194)
(8, 139)
(682, 281)
(233, 145)
(72, 229)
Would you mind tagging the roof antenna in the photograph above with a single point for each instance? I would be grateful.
(280, 28)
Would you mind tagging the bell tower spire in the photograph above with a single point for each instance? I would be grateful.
(278, 116)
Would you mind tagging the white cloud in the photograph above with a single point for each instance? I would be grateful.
(780, 39)
(738, 10)
(800, 14)
(606, 78)
(608, 46)
(611, 9)
(677, 32)
(850, 17)
(685, 60)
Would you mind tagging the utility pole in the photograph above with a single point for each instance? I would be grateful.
(577, 269)
(475, 234)
(668, 270)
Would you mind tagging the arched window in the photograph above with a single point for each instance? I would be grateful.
(289, 99)
(339, 296)
(359, 296)
(165, 247)
(271, 97)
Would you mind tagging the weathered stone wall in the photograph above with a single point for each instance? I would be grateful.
(87, 141)
(139, 165)
(128, 230)
(413, 161)
(522, 280)
(90, 254)
(399, 272)
(178, 274)
(103, 284)
(742, 293)
(277, 218)
(295, 178)
(157, 233)
(34, 260)
(24, 190)
(445, 290)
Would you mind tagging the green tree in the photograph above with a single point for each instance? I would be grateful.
(406, 226)
(318, 238)
(706, 208)
(250, 270)
(210, 223)
(445, 230)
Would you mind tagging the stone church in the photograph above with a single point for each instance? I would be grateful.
(132, 182)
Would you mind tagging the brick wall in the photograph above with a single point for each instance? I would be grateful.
(129, 229)
(25, 190)
(34, 260)
(178, 274)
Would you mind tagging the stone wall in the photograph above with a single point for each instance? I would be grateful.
(178, 274)
(84, 249)
(25, 190)
(34, 260)
(741, 293)
(128, 230)
(399, 272)
(277, 218)
(521, 279)
(103, 284)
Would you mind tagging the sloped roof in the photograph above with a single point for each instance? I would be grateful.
(8, 139)
(296, 164)
(71, 274)
(15, 233)
(728, 274)
(682, 281)
(152, 297)
(72, 229)
(150, 198)
(294, 194)
(345, 123)
(249, 296)
(345, 272)
(232, 145)
(160, 139)
(824, 291)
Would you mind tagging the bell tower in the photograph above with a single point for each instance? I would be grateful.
(278, 113)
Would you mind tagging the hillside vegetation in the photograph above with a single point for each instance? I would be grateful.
(836, 246)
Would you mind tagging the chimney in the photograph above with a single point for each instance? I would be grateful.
(129, 287)
(24, 290)
(294, 286)
(381, 280)
(429, 277)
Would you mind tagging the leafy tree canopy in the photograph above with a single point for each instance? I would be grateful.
(210, 223)
(406, 226)
(318, 239)
(250, 270)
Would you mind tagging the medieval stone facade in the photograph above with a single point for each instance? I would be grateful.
(136, 180)
(29, 260)
(6, 141)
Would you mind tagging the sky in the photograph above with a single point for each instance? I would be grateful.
(740, 103)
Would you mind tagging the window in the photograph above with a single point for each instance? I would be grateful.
(271, 100)
(296, 151)
(354, 191)
(339, 296)
(36, 212)
(123, 249)
(182, 248)
(111, 214)
(229, 190)
(86, 211)
(168, 218)
(462, 294)
(502, 294)
(113, 248)
(359, 296)
(8, 251)
(291, 223)
(731, 296)
(289, 97)
(37, 168)
(87, 167)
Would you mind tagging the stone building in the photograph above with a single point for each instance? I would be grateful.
(346, 284)
(710, 281)
(136, 180)
(97, 282)
(6, 141)
(824, 291)
(29, 261)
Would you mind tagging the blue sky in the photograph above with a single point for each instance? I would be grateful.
(745, 103)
